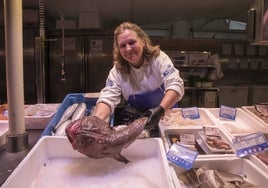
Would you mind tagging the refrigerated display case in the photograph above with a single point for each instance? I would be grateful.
(87, 61)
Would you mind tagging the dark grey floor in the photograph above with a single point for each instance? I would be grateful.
(9, 161)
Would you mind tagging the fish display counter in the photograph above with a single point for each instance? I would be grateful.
(53, 159)
(215, 154)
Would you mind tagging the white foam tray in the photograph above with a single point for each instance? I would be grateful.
(258, 162)
(250, 110)
(3, 131)
(37, 116)
(243, 124)
(50, 148)
(174, 120)
(239, 166)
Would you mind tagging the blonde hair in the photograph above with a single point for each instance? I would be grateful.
(149, 50)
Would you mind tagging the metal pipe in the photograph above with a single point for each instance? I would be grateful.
(40, 55)
(17, 138)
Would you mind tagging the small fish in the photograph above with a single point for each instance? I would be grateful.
(213, 178)
(60, 131)
(80, 111)
(68, 113)
(229, 177)
(94, 138)
(262, 108)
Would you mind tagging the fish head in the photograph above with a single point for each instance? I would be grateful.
(88, 134)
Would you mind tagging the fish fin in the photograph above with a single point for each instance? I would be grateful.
(121, 158)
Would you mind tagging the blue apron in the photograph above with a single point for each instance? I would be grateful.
(144, 101)
(138, 104)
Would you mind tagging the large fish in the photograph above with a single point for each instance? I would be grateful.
(94, 138)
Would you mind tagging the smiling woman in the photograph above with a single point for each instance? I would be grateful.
(131, 47)
(143, 75)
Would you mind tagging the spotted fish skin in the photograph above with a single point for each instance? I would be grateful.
(94, 138)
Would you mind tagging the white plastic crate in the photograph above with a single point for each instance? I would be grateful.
(38, 116)
(49, 149)
(3, 131)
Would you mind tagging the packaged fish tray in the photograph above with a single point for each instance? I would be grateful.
(220, 172)
(200, 143)
(71, 100)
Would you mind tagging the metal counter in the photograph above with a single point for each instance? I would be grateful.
(9, 161)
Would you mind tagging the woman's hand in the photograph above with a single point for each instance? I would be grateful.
(154, 115)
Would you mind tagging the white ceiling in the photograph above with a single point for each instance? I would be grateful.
(146, 11)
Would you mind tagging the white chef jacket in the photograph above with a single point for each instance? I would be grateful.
(159, 74)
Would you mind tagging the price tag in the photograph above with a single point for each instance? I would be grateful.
(250, 144)
(187, 139)
(212, 131)
(191, 113)
(181, 156)
(227, 112)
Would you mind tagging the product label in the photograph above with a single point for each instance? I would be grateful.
(181, 156)
(188, 139)
(250, 144)
(191, 113)
(212, 131)
(227, 112)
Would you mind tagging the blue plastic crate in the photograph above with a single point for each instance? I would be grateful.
(69, 100)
